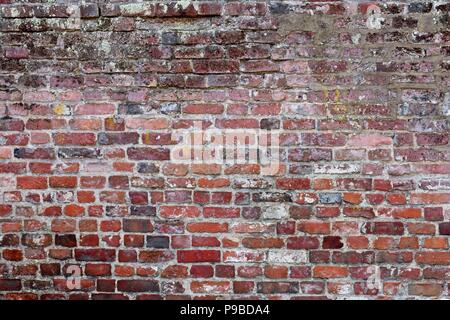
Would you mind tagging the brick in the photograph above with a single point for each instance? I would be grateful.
(430, 198)
(94, 109)
(390, 228)
(241, 287)
(138, 286)
(78, 153)
(175, 271)
(63, 182)
(10, 284)
(207, 227)
(89, 11)
(330, 198)
(444, 228)
(63, 225)
(37, 153)
(17, 53)
(137, 225)
(203, 109)
(150, 124)
(332, 242)
(328, 272)
(257, 243)
(290, 257)
(148, 154)
(5, 210)
(12, 255)
(179, 211)
(67, 240)
(50, 269)
(425, 289)
(433, 258)
(217, 212)
(369, 141)
(293, 184)
(157, 242)
(27, 182)
(314, 227)
(118, 138)
(199, 271)
(277, 287)
(301, 242)
(210, 286)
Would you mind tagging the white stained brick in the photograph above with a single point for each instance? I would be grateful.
(284, 256)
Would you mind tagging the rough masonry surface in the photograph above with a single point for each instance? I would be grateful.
(94, 206)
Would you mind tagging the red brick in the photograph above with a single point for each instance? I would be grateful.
(433, 258)
(392, 228)
(189, 256)
(138, 285)
(329, 272)
(293, 183)
(425, 289)
(10, 284)
(63, 182)
(106, 255)
(94, 109)
(430, 198)
(207, 227)
(210, 286)
(17, 53)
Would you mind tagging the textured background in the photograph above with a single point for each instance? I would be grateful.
(88, 99)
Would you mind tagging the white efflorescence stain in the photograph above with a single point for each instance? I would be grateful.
(374, 19)
(446, 106)
(356, 38)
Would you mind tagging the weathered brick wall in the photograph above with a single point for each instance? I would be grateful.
(90, 95)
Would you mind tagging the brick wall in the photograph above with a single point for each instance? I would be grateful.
(93, 204)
